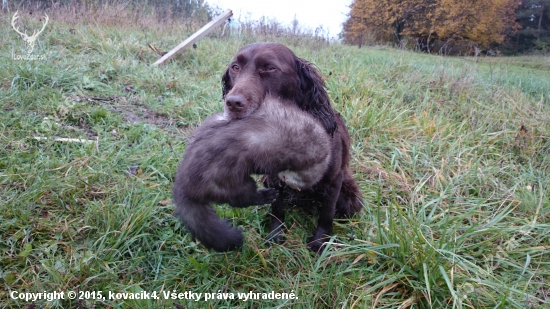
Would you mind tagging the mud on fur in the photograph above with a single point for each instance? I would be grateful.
(277, 140)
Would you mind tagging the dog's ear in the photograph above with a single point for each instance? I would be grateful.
(313, 97)
(226, 83)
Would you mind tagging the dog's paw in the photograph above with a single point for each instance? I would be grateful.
(317, 245)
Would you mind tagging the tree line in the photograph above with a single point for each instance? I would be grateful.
(452, 26)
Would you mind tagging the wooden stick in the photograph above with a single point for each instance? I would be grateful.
(64, 139)
(195, 37)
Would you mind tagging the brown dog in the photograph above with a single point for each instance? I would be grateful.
(263, 69)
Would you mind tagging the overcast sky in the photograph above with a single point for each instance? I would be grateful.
(309, 13)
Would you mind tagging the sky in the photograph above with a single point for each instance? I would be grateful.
(309, 13)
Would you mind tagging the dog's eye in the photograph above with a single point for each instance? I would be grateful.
(236, 68)
(268, 69)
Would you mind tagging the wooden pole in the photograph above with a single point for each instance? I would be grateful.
(195, 37)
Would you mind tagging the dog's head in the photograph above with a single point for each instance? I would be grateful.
(260, 69)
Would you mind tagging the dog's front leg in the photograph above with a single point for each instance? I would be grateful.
(277, 215)
(326, 215)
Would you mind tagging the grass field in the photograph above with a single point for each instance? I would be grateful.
(452, 156)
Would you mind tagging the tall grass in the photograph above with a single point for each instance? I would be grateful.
(452, 157)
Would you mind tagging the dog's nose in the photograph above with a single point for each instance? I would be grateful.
(235, 102)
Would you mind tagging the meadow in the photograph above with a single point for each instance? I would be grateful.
(452, 156)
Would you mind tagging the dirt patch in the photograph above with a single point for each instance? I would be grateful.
(134, 112)
(139, 113)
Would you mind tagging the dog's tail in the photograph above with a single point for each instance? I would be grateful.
(350, 199)
(205, 225)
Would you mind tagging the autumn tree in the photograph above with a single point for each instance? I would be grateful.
(475, 22)
(384, 20)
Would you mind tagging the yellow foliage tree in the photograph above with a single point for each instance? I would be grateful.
(477, 22)
(384, 20)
